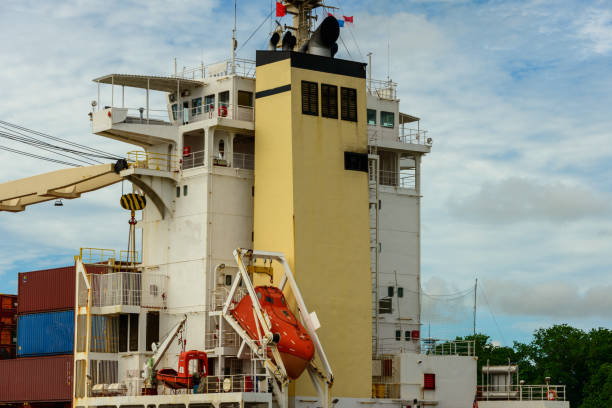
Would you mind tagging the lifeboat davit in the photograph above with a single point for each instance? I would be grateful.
(294, 344)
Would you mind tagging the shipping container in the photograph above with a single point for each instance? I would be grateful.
(8, 302)
(46, 290)
(38, 379)
(45, 333)
(7, 352)
(49, 289)
(8, 337)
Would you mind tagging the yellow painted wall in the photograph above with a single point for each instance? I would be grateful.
(316, 212)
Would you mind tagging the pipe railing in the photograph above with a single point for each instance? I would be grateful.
(521, 392)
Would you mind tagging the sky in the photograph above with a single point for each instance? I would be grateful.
(515, 94)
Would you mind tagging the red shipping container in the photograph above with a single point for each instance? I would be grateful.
(46, 290)
(49, 290)
(36, 379)
(8, 302)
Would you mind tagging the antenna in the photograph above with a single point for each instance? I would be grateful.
(234, 42)
(475, 291)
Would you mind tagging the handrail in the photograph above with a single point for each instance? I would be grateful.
(97, 255)
(521, 392)
(152, 160)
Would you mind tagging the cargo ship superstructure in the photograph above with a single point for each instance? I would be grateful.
(296, 171)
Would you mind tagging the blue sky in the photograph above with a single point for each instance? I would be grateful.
(515, 94)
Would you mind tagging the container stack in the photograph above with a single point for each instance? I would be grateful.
(45, 314)
(42, 371)
(8, 325)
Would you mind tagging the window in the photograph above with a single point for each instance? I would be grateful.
(356, 161)
(390, 291)
(178, 191)
(224, 98)
(384, 306)
(348, 98)
(310, 98)
(398, 335)
(245, 98)
(228, 280)
(429, 381)
(133, 332)
(329, 101)
(209, 103)
(371, 116)
(152, 329)
(174, 111)
(197, 106)
(123, 333)
(400, 292)
(387, 119)
(407, 335)
(184, 190)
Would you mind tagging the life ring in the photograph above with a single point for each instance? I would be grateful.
(551, 395)
(223, 111)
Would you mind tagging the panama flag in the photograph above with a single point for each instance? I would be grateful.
(344, 19)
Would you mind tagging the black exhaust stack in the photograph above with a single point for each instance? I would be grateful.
(323, 40)
(273, 41)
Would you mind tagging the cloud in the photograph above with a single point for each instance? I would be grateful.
(555, 298)
(524, 200)
(595, 27)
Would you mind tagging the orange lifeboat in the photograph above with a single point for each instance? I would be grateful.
(294, 344)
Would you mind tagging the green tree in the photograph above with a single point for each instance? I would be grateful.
(598, 391)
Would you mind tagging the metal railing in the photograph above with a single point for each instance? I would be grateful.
(97, 255)
(194, 159)
(439, 347)
(223, 110)
(152, 160)
(244, 161)
(385, 390)
(242, 67)
(518, 392)
(414, 136)
(219, 295)
(234, 383)
(229, 338)
(402, 179)
(116, 289)
(383, 89)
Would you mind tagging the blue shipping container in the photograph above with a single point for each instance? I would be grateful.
(43, 334)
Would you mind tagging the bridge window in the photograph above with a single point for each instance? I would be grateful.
(209, 103)
(196, 106)
(245, 98)
(387, 119)
(371, 116)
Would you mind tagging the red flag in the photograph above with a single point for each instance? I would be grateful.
(348, 19)
(281, 9)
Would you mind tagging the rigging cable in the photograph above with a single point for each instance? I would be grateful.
(484, 295)
(19, 137)
(101, 153)
(255, 32)
(8, 149)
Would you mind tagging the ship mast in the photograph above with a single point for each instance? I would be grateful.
(303, 17)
